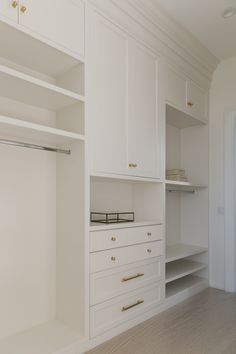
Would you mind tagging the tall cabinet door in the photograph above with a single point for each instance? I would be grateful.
(108, 97)
(143, 149)
(9, 10)
(59, 21)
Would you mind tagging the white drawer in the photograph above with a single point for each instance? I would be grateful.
(120, 256)
(106, 239)
(112, 313)
(114, 282)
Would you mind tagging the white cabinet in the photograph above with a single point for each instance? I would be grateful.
(183, 94)
(123, 94)
(9, 10)
(196, 100)
(59, 21)
(143, 127)
(108, 97)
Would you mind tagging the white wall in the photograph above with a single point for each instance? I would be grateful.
(222, 100)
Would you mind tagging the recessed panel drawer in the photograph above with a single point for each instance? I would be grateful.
(112, 313)
(120, 256)
(114, 282)
(106, 239)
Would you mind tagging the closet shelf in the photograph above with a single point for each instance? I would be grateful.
(180, 251)
(58, 60)
(187, 284)
(183, 186)
(11, 128)
(181, 268)
(30, 90)
(46, 339)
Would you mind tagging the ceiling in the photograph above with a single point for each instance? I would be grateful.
(203, 19)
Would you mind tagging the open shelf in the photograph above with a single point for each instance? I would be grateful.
(57, 61)
(183, 186)
(181, 268)
(124, 178)
(180, 119)
(187, 283)
(48, 338)
(30, 132)
(28, 89)
(97, 226)
(179, 251)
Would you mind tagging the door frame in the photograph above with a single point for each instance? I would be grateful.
(230, 201)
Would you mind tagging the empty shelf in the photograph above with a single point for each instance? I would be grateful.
(30, 90)
(187, 283)
(183, 186)
(179, 251)
(181, 268)
(11, 128)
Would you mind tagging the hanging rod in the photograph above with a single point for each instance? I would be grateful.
(180, 190)
(33, 146)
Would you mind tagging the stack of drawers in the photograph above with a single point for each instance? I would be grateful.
(126, 274)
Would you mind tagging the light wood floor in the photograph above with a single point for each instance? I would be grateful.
(205, 324)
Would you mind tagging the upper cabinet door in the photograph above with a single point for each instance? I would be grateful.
(59, 21)
(107, 97)
(143, 147)
(176, 89)
(9, 9)
(196, 101)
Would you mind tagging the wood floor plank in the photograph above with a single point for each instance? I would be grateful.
(204, 324)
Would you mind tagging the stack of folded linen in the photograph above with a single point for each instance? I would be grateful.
(176, 175)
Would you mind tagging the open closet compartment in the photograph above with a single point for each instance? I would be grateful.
(42, 267)
(186, 204)
(145, 199)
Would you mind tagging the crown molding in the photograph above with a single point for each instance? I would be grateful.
(148, 23)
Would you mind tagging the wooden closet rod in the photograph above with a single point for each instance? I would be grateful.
(33, 146)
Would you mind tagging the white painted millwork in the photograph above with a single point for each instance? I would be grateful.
(109, 284)
(99, 92)
(102, 240)
(9, 9)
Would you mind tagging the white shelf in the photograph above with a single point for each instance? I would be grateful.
(58, 60)
(98, 227)
(30, 90)
(48, 338)
(180, 251)
(187, 283)
(183, 186)
(11, 128)
(123, 178)
(181, 268)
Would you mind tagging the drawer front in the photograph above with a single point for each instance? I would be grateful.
(117, 257)
(115, 282)
(123, 308)
(106, 239)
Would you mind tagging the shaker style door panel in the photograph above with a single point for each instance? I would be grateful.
(176, 89)
(59, 21)
(9, 10)
(143, 149)
(108, 98)
(196, 101)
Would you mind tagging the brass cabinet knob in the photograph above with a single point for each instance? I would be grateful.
(190, 104)
(14, 4)
(113, 238)
(113, 259)
(149, 234)
(133, 165)
(23, 9)
(149, 250)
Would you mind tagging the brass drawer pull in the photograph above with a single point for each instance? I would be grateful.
(139, 302)
(133, 277)
(113, 238)
(190, 104)
(133, 165)
(23, 9)
(113, 259)
(149, 250)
